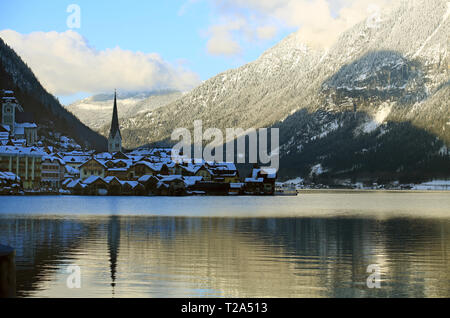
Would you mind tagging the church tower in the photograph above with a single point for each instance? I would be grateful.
(115, 138)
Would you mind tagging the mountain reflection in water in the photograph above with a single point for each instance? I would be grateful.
(176, 256)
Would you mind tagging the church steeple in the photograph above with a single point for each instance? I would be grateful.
(115, 138)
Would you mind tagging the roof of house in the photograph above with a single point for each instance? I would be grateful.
(74, 183)
(93, 179)
(8, 176)
(25, 151)
(92, 159)
(146, 177)
(53, 159)
(191, 180)
(72, 170)
(109, 179)
(254, 180)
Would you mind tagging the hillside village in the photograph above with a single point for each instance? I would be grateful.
(28, 164)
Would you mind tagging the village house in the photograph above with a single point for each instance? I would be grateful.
(27, 132)
(143, 168)
(114, 185)
(118, 168)
(95, 185)
(76, 187)
(261, 181)
(92, 167)
(52, 171)
(225, 172)
(75, 159)
(150, 183)
(132, 188)
(24, 162)
(171, 185)
(9, 183)
(203, 171)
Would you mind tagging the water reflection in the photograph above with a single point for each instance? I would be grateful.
(113, 246)
(140, 256)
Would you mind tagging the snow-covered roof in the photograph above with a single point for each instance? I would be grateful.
(74, 183)
(8, 176)
(229, 166)
(26, 125)
(254, 180)
(72, 170)
(171, 178)
(270, 173)
(111, 178)
(191, 180)
(150, 165)
(92, 179)
(104, 155)
(145, 178)
(53, 159)
(132, 184)
(25, 151)
(75, 159)
(100, 162)
(67, 181)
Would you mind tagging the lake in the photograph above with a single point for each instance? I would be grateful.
(318, 244)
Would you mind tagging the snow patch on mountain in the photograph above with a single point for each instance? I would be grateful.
(378, 119)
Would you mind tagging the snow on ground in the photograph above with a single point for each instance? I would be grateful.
(295, 181)
(433, 185)
(317, 170)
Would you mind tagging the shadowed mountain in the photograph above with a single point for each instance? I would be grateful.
(368, 124)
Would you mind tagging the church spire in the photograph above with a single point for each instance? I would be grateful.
(115, 120)
(115, 138)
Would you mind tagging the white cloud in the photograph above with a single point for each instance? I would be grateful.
(65, 64)
(221, 41)
(320, 22)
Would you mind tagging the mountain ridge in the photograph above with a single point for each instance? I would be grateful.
(393, 71)
(95, 111)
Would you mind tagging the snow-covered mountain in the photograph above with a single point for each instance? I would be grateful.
(376, 102)
(96, 111)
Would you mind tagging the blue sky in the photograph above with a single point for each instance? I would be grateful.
(148, 26)
(193, 39)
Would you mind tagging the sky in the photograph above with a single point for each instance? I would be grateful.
(78, 48)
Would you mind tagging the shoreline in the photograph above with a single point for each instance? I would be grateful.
(305, 191)
(300, 192)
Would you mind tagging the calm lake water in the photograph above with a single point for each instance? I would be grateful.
(318, 244)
